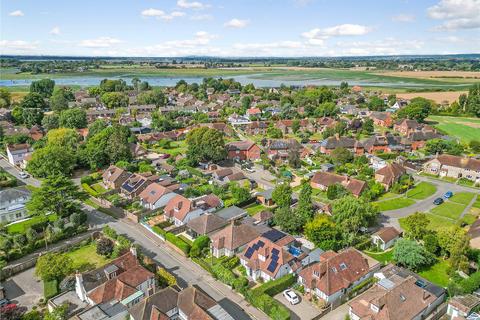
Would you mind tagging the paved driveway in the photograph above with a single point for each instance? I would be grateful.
(24, 288)
(337, 314)
(303, 310)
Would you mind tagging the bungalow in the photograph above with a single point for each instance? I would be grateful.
(253, 112)
(205, 225)
(119, 284)
(337, 273)
(220, 174)
(136, 183)
(382, 119)
(114, 177)
(17, 153)
(232, 213)
(232, 239)
(389, 174)
(399, 294)
(243, 150)
(385, 237)
(454, 167)
(331, 143)
(155, 196)
(322, 180)
(180, 210)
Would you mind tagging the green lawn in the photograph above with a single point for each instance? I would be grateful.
(388, 195)
(176, 148)
(437, 273)
(462, 197)
(436, 222)
(393, 204)
(99, 188)
(383, 257)
(86, 258)
(476, 204)
(469, 218)
(421, 191)
(449, 209)
(21, 227)
(463, 128)
(255, 208)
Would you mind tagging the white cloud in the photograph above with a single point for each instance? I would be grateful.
(201, 17)
(318, 36)
(17, 46)
(387, 46)
(185, 4)
(160, 14)
(458, 14)
(403, 18)
(101, 42)
(237, 23)
(16, 13)
(55, 31)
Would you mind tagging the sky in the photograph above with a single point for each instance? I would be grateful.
(239, 28)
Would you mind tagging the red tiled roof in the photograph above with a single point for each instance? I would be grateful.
(178, 207)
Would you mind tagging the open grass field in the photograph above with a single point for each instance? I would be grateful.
(462, 197)
(472, 76)
(394, 204)
(463, 128)
(437, 273)
(438, 97)
(421, 191)
(86, 258)
(449, 209)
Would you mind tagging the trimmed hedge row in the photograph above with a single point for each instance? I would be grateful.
(89, 190)
(274, 309)
(50, 289)
(177, 242)
(277, 286)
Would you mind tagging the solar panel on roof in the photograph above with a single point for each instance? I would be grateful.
(272, 266)
(260, 243)
(274, 258)
(249, 253)
(274, 235)
(255, 247)
(275, 252)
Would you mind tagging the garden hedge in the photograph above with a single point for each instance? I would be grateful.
(50, 289)
(277, 286)
(177, 242)
(89, 190)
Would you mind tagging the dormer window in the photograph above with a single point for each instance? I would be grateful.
(261, 257)
(334, 269)
(316, 273)
(402, 297)
(343, 266)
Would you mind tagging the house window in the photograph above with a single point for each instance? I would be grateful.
(343, 266)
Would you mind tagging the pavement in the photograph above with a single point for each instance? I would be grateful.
(186, 271)
(338, 313)
(24, 289)
(303, 310)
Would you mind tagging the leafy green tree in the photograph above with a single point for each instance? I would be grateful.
(472, 103)
(239, 194)
(376, 104)
(108, 85)
(114, 100)
(165, 278)
(295, 125)
(57, 194)
(453, 240)
(161, 122)
(475, 146)
(305, 206)
(32, 116)
(60, 98)
(50, 121)
(96, 127)
(288, 220)
(5, 98)
(33, 101)
(63, 137)
(156, 97)
(75, 118)
(440, 146)
(430, 242)
(341, 155)
(294, 158)
(410, 254)
(53, 266)
(326, 109)
(352, 214)
(336, 191)
(282, 195)
(58, 313)
(416, 225)
(274, 132)
(199, 244)
(105, 246)
(118, 144)
(205, 144)
(418, 109)
(17, 115)
(51, 160)
(323, 232)
(367, 126)
(43, 87)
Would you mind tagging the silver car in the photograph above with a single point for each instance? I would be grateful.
(291, 296)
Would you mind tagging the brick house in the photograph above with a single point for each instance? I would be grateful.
(382, 119)
(181, 210)
(155, 196)
(136, 183)
(114, 177)
(232, 239)
(243, 150)
(256, 128)
(322, 180)
(454, 167)
(389, 174)
(331, 143)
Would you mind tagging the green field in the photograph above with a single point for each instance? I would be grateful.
(462, 197)
(86, 258)
(393, 204)
(421, 191)
(383, 257)
(438, 273)
(463, 128)
(449, 209)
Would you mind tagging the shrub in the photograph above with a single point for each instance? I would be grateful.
(223, 274)
(50, 289)
(87, 180)
(109, 232)
(104, 246)
(231, 263)
(165, 278)
(276, 286)
(267, 304)
(198, 245)
(159, 231)
(89, 190)
(240, 283)
(177, 242)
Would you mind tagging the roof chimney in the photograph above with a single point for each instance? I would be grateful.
(133, 250)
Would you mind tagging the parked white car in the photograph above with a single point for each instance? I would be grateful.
(23, 175)
(291, 296)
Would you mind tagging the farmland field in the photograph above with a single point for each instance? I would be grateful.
(438, 97)
(471, 76)
(463, 128)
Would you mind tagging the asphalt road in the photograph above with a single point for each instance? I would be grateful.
(186, 271)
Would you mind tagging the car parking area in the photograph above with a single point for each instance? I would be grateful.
(302, 310)
(24, 289)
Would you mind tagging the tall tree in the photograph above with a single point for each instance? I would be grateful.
(33, 100)
(305, 206)
(5, 98)
(53, 266)
(352, 214)
(416, 225)
(60, 98)
(75, 118)
(43, 87)
(410, 254)
(282, 195)
(205, 144)
(323, 232)
(51, 160)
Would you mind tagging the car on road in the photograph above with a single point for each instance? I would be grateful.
(23, 175)
(438, 201)
(448, 194)
(250, 170)
(291, 296)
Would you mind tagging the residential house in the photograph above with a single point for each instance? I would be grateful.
(280, 148)
(114, 177)
(406, 126)
(220, 174)
(385, 237)
(325, 122)
(253, 113)
(265, 197)
(382, 119)
(287, 125)
(136, 183)
(232, 239)
(389, 174)
(460, 307)
(376, 144)
(331, 143)
(180, 210)
(36, 132)
(17, 153)
(418, 139)
(187, 304)
(205, 225)
(155, 196)
(238, 120)
(263, 217)
(232, 213)
(117, 285)
(12, 204)
(398, 295)
(243, 150)
(336, 274)
(454, 167)
(137, 150)
(376, 162)
(255, 128)
(322, 180)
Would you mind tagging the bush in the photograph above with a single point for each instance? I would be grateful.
(223, 274)
(89, 190)
(276, 286)
(231, 263)
(177, 242)
(165, 278)
(50, 289)
(159, 231)
(198, 245)
(87, 180)
(104, 246)
(267, 304)
(240, 283)
(109, 232)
